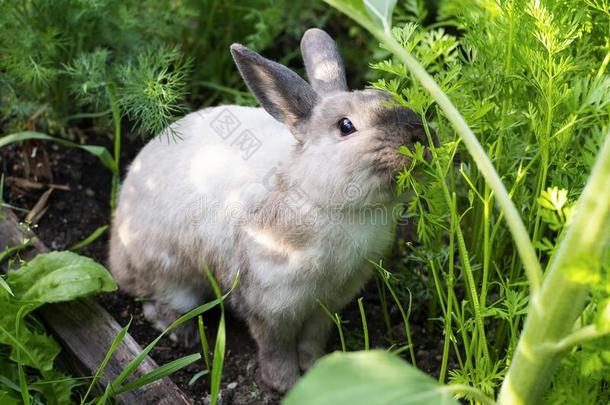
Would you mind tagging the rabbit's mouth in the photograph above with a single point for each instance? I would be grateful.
(385, 176)
(387, 162)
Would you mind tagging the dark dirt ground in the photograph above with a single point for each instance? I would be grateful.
(75, 214)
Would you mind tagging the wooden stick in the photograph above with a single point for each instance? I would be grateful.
(25, 183)
(85, 330)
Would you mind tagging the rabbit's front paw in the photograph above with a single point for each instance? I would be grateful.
(161, 316)
(279, 374)
(308, 355)
(186, 334)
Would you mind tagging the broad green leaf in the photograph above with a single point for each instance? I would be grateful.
(356, 10)
(374, 15)
(33, 349)
(50, 277)
(55, 386)
(8, 398)
(381, 10)
(364, 378)
(59, 276)
(99, 151)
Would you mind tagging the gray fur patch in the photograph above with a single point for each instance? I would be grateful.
(323, 62)
(281, 92)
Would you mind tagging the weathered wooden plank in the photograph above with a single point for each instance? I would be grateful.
(86, 331)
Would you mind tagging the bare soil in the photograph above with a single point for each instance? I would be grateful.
(73, 215)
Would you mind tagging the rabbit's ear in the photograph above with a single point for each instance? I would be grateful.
(281, 92)
(323, 62)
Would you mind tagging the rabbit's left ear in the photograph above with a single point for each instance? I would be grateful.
(323, 62)
(281, 92)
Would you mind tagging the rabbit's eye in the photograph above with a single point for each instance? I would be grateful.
(346, 127)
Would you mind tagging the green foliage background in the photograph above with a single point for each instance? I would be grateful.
(64, 63)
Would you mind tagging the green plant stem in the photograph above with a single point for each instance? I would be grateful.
(586, 333)
(451, 299)
(116, 118)
(446, 325)
(404, 314)
(563, 295)
(603, 66)
(450, 200)
(467, 269)
(486, 246)
(384, 307)
(340, 329)
(337, 321)
(87, 115)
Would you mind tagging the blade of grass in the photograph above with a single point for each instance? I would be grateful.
(10, 384)
(100, 371)
(99, 151)
(23, 384)
(204, 342)
(10, 250)
(136, 361)
(159, 373)
(218, 360)
(5, 285)
(365, 328)
(89, 239)
(220, 345)
(197, 376)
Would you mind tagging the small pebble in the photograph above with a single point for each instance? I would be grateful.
(232, 385)
(89, 192)
(208, 399)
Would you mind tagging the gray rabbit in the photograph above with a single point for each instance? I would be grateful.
(295, 196)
